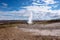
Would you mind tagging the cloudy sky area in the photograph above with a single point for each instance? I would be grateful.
(21, 9)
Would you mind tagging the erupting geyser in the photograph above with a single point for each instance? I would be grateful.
(30, 18)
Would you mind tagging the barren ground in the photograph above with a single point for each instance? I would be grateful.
(31, 32)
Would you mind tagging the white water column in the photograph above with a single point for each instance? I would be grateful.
(30, 18)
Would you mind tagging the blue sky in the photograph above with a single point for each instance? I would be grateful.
(22, 9)
(14, 4)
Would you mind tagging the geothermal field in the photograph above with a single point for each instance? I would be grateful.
(21, 30)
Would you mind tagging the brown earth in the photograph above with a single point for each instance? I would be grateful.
(10, 32)
(13, 33)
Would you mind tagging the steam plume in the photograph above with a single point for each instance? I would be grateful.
(30, 18)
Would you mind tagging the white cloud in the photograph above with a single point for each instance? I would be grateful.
(38, 8)
(43, 9)
(39, 15)
(4, 5)
(13, 15)
(39, 11)
(49, 1)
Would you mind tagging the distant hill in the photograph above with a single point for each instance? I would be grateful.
(25, 21)
(47, 21)
(13, 21)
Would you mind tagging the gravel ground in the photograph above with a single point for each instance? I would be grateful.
(13, 33)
